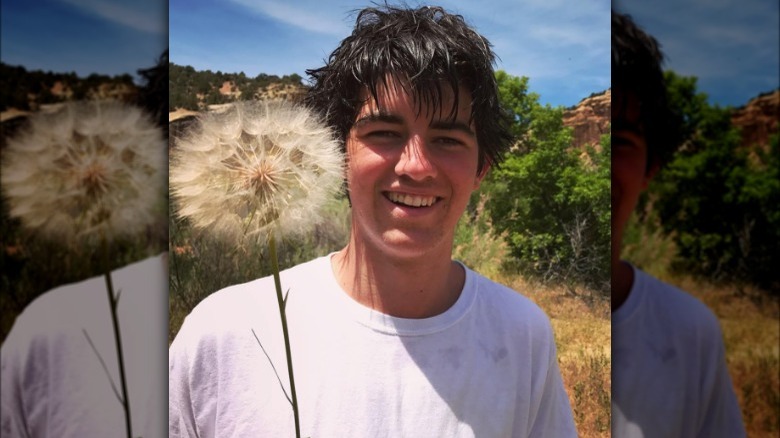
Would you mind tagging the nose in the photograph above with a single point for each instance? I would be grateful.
(415, 161)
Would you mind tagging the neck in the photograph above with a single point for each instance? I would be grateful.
(416, 287)
(622, 280)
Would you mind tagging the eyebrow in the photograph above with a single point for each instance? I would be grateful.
(380, 117)
(622, 125)
(453, 125)
(444, 125)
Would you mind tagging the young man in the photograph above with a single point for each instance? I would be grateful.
(390, 337)
(669, 375)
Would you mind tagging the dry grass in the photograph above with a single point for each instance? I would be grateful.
(583, 338)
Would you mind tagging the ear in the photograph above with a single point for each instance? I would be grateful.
(480, 176)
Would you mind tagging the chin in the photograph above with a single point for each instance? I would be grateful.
(401, 245)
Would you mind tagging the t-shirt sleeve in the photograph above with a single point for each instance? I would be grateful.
(181, 418)
(721, 415)
(12, 419)
(554, 415)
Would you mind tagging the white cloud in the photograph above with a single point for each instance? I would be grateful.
(717, 4)
(737, 36)
(305, 18)
(723, 39)
(567, 36)
(123, 13)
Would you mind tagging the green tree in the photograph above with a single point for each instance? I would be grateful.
(294, 79)
(717, 198)
(552, 201)
(518, 102)
(687, 102)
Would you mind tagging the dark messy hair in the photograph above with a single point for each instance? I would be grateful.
(636, 68)
(424, 49)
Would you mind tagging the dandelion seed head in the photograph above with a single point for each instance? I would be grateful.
(255, 170)
(250, 174)
(88, 171)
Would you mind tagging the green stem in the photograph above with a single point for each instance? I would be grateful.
(283, 314)
(118, 338)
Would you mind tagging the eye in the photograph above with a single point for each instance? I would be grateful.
(383, 137)
(448, 141)
(619, 141)
(383, 134)
(625, 141)
(623, 137)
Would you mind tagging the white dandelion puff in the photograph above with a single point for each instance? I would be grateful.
(88, 171)
(256, 170)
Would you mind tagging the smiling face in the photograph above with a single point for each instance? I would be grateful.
(410, 173)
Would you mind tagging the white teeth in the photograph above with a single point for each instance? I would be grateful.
(411, 200)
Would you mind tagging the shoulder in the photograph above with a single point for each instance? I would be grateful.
(508, 308)
(675, 307)
(70, 308)
(235, 301)
(680, 340)
(525, 331)
(255, 301)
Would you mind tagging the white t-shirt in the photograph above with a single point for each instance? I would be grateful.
(53, 384)
(486, 367)
(669, 375)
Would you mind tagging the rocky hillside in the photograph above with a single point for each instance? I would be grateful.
(22, 91)
(590, 118)
(195, 90)
(758, 119)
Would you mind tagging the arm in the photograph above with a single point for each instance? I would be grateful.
(720, 413)
(181, 417)
(12, 418)
(554, 415)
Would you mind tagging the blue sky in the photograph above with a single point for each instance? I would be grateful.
(86, 36)
(732, 46)
(561, 45)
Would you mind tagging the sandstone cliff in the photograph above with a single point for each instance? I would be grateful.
(758, 119)
(590, 118)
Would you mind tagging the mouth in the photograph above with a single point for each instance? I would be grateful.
(415, 201)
